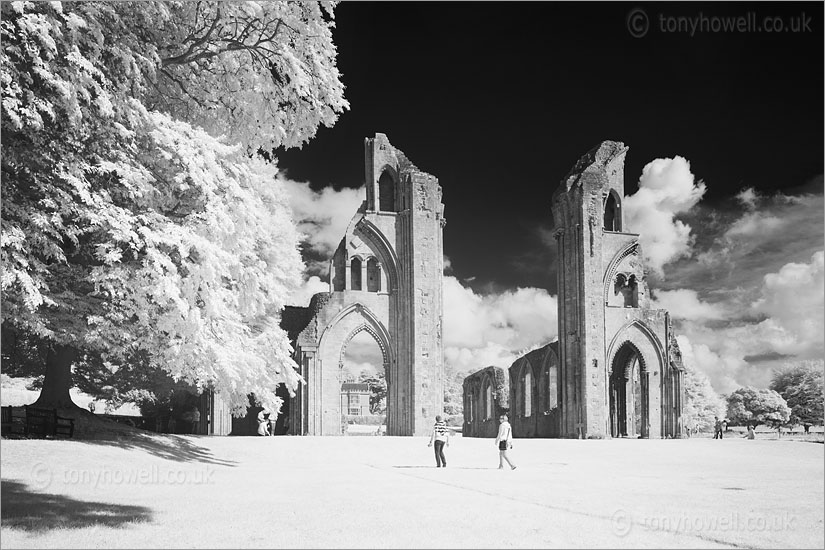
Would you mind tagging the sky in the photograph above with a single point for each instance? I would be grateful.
(723, 179)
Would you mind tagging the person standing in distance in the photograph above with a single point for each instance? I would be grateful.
(441, 437)
(504, 441)
(717, 428)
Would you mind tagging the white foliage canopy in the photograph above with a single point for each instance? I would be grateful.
(135, 219)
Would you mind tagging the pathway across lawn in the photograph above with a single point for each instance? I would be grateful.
(384, 492)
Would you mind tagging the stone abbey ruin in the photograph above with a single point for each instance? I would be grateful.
(385, 279)
(615, 370)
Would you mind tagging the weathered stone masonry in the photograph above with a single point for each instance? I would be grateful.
(620, 371)
(386, 280)
(616, 370)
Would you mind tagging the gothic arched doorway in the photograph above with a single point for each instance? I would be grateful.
(628, 391)
(363, 367)
(354, 323)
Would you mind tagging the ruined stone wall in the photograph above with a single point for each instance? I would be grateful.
(476, 422)
(426, 261)
(543, 420)
(578, 210)
(604, 300)
(396, 235)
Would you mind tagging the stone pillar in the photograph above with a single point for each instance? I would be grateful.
(380, 274)
(365, 283)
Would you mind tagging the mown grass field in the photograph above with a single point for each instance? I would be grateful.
(353, 492)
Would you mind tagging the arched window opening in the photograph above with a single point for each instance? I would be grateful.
(339, 272)
(552, 388)
(488, 402)
(528, 394)
(627, 288)
(355, 275)
(612, 213)
(386, 192)
(472, 406)
(373, 275)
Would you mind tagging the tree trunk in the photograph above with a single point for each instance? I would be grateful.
(58, 379)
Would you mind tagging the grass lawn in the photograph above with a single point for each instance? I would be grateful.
(354, 492)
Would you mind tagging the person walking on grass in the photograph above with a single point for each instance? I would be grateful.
(504, 441)
(441, 437)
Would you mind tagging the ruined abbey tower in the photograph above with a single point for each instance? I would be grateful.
(616, 370)
(620, 371)
(386, 280)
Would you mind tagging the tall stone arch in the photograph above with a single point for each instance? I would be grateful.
(639, 357)
(397, 246)
(604, 306)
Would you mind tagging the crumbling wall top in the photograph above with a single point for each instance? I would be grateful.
(606, 158)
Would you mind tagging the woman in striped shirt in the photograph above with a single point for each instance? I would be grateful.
(441, 436)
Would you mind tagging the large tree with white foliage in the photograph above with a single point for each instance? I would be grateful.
(137, 219)
(702, 404)
(758, 406)
(801, 385)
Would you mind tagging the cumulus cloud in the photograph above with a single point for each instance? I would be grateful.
(494, 329)
(720, 370)
(786, 321)
(322, 217)
(666, 188)
(750, 299)
(747, 197)
(794, 301)
(310, 287)
(684, 303)
(754, 222)
(739, 246)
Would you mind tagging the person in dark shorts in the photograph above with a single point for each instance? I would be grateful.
(504, 442)
(441, 437)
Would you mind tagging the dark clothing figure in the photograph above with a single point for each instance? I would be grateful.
(440, 459)
(196, 420)
(717, 434)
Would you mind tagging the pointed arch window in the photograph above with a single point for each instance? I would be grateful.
(488, 402)
(627, 288)
(355, 274)
(373, 275)
(338, 272)
(386, 192)
(528, 393)
(612, 212)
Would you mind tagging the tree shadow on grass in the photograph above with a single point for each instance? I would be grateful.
(27, 510)
(168, 447)
(94, 430)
